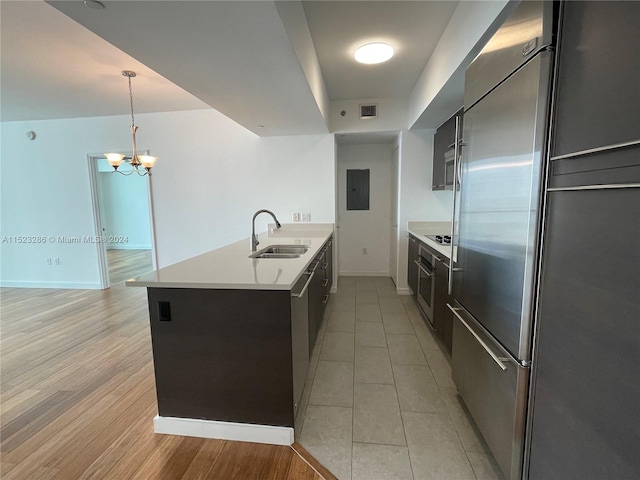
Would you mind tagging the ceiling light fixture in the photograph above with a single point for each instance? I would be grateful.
(374, 52)
(136, 161)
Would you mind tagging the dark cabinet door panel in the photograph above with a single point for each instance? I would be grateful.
(598, 96)
(442, 142)
(586, 409)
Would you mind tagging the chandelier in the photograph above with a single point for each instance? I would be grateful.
(136, 161)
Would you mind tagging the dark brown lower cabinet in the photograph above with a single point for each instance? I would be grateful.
(412, 268)
(442, 316)
(322, 267)
(230, 355)
(328, 267)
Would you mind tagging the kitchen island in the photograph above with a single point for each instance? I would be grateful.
(230, 337)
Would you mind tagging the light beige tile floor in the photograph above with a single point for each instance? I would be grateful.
(379, 402)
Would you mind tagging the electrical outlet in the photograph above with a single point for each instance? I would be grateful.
(364, 251)
(57, 260)
(296, 217)
(49, 262)
(306, 217)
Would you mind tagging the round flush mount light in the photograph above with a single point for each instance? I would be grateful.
(375, 52)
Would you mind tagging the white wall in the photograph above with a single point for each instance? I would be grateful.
(212, 174)
(470, 26)
(205, 199)
(393, 114)
(370, 229)
(417, 201)
(295, 23)
(124, 201)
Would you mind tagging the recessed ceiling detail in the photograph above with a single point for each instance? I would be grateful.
(339, 27)
(248, 60)
(54, 68)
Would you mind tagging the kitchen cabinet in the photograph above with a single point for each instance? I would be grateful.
(584, 405)
(240, 356)
(328, 269)
(596, 131)
(587, 398)
(322, 267)
(442, 318)
(597, 82)
(412, 267)
(316, 296)
(443, 141)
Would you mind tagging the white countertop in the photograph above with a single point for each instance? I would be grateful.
(421, 229)
(230, 267)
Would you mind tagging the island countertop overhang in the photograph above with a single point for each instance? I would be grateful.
(230, 267)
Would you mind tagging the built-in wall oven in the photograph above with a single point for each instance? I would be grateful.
(426, 283)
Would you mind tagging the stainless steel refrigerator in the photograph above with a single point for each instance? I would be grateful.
(500, 173)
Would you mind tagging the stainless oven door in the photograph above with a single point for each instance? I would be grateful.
(426, 283)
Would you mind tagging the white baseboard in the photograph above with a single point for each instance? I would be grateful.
(241, 432)
(404, 291)
(365, 274)
(60, 285)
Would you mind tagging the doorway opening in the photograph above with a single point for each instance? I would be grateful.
(123, 222)
(366, 203)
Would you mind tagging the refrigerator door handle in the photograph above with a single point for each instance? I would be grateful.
(498, 360)
(456, 177)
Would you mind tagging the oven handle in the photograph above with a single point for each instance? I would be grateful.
(426, 272)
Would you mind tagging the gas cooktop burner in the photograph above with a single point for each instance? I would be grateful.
(443, 239)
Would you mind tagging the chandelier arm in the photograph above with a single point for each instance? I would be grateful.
(122, 173)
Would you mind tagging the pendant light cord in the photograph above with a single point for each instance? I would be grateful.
(131, 102)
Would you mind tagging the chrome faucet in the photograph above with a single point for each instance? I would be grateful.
(254, 239)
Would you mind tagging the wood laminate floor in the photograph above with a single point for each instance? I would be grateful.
(78, 397)
(125, 264)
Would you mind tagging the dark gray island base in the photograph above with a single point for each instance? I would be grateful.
(224, 355)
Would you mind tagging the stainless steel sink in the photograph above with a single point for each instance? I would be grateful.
(281, 251)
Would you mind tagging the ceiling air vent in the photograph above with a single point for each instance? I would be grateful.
(368, 111)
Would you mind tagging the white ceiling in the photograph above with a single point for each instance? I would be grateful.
(413, 28)
(53, 67)
(235, 56)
